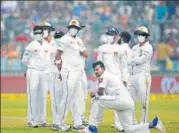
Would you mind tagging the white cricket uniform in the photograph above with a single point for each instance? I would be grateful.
(72, 70)
(140, 79)
(118, 98)
(128, 50)
(35, 59)
(82, 96)
(126, 72)
(114, 58)
(53, 82)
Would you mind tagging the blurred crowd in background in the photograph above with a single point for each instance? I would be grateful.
(161, 17)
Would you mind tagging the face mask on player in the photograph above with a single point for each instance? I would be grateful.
(46, 33)
(52, 33)
(140, 38)
(103, 39)
(73, 31)
(110, 39)
(38, 37)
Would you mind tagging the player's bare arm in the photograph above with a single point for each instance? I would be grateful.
(58, 59)
(84, 53)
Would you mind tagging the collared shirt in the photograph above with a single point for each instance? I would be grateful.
(53, 46)
(71, 57)
(114, 59)
(112, 84)
(141, 58)
(35, 56)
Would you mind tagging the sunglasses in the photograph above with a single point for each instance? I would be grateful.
(141, 34)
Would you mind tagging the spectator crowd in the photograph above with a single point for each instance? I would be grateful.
(161, 17)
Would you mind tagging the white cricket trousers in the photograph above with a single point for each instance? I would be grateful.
(71, 92)
(124, 108)
(139, 88)
(36, 94)
(117, 122)
(83, 93)
(55, 88)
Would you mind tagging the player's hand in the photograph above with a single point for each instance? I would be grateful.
(25, 74)
(60, 76)
(125, 84)
(92, 94)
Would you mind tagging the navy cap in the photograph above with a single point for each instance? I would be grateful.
(58, 34)
(112, 31)
(38, 29)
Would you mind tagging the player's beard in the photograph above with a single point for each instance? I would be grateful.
(97, 75)
(119, 41)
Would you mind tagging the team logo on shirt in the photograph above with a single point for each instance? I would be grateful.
(140, 53)
(35, 50)
(46, 51)
(100, 80)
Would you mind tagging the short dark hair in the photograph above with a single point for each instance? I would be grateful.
(100, 63)
(58, 34)
(125, 36)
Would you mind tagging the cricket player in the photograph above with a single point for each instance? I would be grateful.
(55, 82)
(34, 58)
(140, 79)
(123, 42)
(115, 60)
(112, 94)
(82, 85)
(47, 42)
(72, 70)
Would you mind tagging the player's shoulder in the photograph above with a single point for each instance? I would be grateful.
(79, 40)
(64, 38)
(101, 47)
(106, 75)
(149, 47)
(33, 43)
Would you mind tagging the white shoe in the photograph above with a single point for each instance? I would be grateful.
(85, 130)
(85, 122)
(60, 127)
(44, 125)
(160, 126)
(32, 125)
(78, 128)
(120, 129)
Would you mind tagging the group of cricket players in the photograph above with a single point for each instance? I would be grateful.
(55, 63)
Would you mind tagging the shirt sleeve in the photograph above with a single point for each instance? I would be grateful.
(27, 54)
(124, 68)
(60, 48)
(145, 55)
(99, 55)
(102, 82)
(82, 46)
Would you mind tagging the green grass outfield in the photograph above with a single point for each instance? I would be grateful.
(13, 114)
